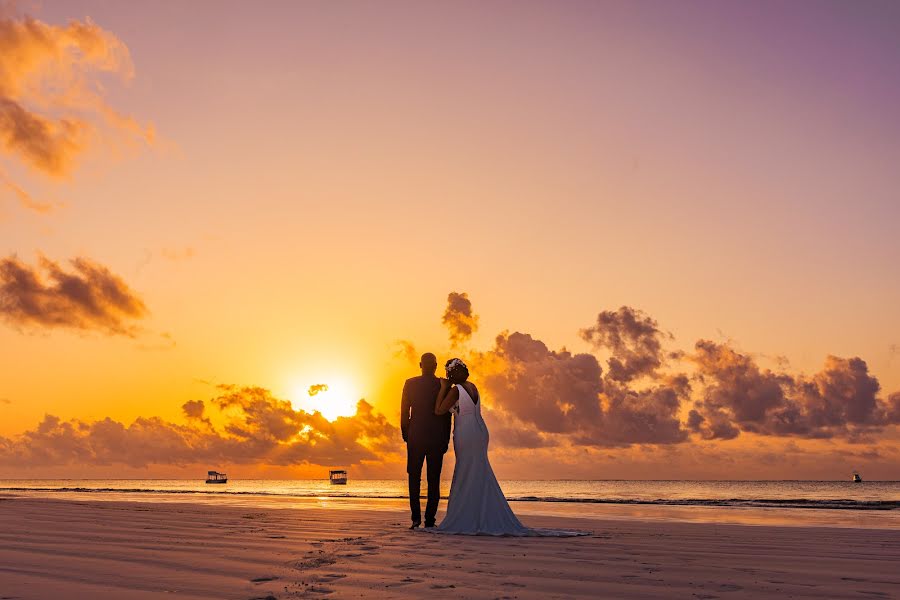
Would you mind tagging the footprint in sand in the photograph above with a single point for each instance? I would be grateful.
(409, 566)
(438, 586)
(364, 544)
(404, 581)
(313, 562)
(329, 577)
(263, 579)
(319, 590)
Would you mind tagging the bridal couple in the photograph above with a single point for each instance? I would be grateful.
(477, 505)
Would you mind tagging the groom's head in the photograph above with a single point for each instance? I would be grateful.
(428, 363)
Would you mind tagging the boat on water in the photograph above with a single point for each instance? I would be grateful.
(856, 478)
(216, 477)
(337, 477)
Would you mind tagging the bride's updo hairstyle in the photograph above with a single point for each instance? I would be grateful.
(457, 371)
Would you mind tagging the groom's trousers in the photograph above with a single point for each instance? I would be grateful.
(434, 460)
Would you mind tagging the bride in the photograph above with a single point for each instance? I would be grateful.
(477, 505)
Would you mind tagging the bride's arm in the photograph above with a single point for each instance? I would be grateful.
(446, 398)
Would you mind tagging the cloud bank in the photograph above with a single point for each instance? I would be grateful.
(89, 297)
(252, 427)
(841, 400)
(649, 394)
(557, 392)
(643, 406)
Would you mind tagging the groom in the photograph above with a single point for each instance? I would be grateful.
(427, 437)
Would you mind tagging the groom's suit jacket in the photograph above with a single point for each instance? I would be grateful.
(421, 428)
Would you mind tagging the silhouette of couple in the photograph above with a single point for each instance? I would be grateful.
(477, 505)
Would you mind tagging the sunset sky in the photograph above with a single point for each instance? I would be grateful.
(664, 235)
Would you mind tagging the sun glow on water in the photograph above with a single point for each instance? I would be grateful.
(332, 396)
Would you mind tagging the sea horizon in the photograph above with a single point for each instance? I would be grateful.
(866, 505)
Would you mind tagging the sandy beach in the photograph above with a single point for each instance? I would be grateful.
(51, 548)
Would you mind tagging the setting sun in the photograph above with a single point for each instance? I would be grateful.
(333, 397)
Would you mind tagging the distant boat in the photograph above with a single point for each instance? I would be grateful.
(216, 477)
(337, 477)
(856, 478)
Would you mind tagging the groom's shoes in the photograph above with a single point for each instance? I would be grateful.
(429, 524)
(415, 524)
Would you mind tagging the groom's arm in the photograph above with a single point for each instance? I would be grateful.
(446, 432)
(404, 412)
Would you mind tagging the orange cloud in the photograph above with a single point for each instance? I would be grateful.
(317, 387)
(407, 350)
(540, 397)
(51, 102)
(634, 340)
(554, 406)
(459, 319)
(738, 395)
(258, 429)
(89, 297)
(25, 199)
(556, 394)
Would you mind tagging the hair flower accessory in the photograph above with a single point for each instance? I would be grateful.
(454, 365)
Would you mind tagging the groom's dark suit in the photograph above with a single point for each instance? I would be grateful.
(427, 437)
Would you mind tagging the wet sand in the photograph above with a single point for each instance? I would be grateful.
(52, 548)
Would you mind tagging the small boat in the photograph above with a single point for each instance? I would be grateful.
(856, 478)
(216, 477)
(337, 477)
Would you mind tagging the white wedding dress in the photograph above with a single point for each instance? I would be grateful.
(477, 505)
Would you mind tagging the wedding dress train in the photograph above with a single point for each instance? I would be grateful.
(477, 505)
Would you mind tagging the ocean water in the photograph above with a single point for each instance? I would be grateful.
(839, 503)
(835, 495)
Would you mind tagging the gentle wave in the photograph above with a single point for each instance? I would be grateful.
(833, 504)
(754, 502)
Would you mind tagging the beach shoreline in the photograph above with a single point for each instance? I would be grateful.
(779, 516)
(54, 548)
